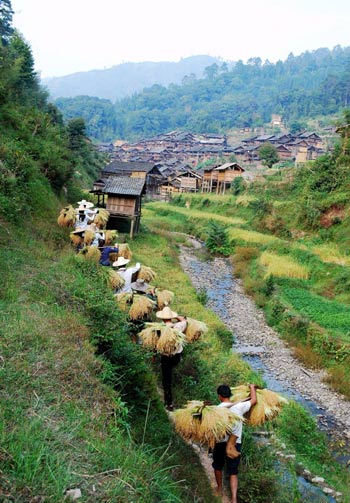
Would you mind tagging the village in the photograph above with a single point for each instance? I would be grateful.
(179, 162)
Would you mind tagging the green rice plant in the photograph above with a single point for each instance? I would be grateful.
(282, 266)
(329, 314)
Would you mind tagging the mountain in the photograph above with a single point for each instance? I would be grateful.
(127, 78)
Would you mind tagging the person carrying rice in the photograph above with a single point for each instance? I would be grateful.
(220, 453)
(168, 362)
(105, 251)
(126, 273)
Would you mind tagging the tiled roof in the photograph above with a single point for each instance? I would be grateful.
(127, 167)
(124, 185)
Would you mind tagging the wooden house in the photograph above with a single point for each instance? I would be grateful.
(218, 179)
(190, 181)
(284, 153)
(121, 196)
(226, 174)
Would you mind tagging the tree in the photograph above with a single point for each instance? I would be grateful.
(268, 154)
(6, 14)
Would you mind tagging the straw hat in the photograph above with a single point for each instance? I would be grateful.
(121, 261)
(84, 205)
(139, 285)
(166, 313)
(79, 230)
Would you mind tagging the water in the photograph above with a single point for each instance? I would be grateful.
(216, 293)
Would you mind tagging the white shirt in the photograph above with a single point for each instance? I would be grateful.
(239, 408)
(126, 274)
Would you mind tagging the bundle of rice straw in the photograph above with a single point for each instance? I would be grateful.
(110, 237)
(164, 298)
(141, 308)
(67, 217)
(267, 407)
(88, 236)
(205, 424)
(195, 329)
(91, 253)
(170, 341)
(146, 273)
(101, 218)
(124, 251)
(115, 281)
(124, 300)
(76, 239)
(149, 336)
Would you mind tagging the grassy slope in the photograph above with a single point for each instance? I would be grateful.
(210, 362)
(60, 426)
(308, 291)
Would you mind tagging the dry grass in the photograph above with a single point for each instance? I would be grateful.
(252, 236)
(164, 298)
(141, 308)
(67, 217)
(205, 424)
(110, 237)
(244, 200)
(88, 237)
(115, 281)
(76, 239)
(171, 341)
(101, 218)
(124, 251)
(282, 266)
(92, 253)
(146, 273)
(330, 253)
(195, 329)
(124, 300)
(267, 407)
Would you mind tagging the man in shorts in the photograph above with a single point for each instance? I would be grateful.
(219, 452)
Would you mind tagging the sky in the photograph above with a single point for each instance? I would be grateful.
(68, 36)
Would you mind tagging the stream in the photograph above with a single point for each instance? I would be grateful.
(267, 354)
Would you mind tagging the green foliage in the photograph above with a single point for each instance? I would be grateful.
(327, 313)
(217, 240)
(268, 154)
(245, 95)
(238, 186)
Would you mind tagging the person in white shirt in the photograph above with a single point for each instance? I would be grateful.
(126, 273)
(219, 452)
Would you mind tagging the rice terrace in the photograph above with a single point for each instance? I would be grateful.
(175, 265)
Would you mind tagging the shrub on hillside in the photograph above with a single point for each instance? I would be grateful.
(217, 240)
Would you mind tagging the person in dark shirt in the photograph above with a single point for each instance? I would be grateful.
(105, 251)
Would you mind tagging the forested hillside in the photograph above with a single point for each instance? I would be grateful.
(314, 84)
(39, 154)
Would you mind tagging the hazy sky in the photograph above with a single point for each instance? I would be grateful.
(68, 36)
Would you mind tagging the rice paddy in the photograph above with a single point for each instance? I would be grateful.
(330, 253)
(282, 266)
(198, 214)
(252, 236)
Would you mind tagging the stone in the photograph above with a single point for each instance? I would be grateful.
(317, 480)
(73, 494)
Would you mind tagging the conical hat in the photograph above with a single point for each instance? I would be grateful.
(84, 205)
(121, 261)
(166, 313)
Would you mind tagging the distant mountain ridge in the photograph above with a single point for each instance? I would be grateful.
(127, 78)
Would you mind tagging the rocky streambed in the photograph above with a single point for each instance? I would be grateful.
(261, 346)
